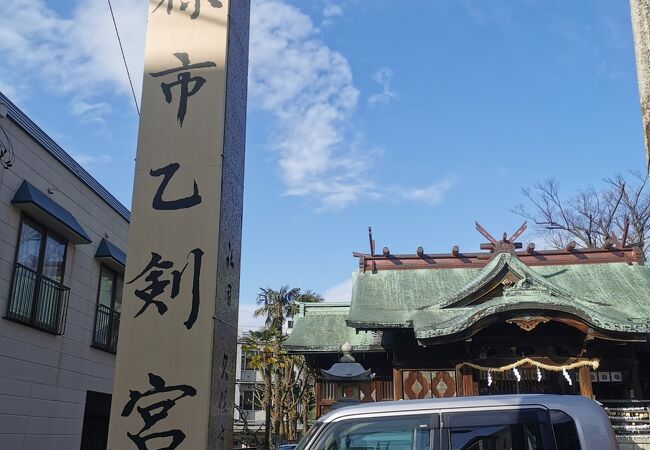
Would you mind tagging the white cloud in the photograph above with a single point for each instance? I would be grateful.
(78, 55)
(383, 77)
(305, 86)
(308, 89)
(91, 112)
(332, 10)
(342, 292)
(89, 161)
(431, 195)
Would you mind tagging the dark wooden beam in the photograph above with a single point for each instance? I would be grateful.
(615, 240)
(397, 384)
(487, 235)
(584, 379)
(569, 255)
(519, 231)
(468, 384)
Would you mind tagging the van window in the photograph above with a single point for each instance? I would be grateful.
(566, 434)
(407, 433)
(499, 430)
(497, 437)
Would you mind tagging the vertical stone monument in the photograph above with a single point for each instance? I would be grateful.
(175, 369)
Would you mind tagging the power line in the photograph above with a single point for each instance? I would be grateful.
(117, 33)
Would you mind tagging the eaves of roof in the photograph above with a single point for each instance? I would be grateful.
(64, 158)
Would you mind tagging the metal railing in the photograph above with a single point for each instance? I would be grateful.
(107, 325)
(38, 301)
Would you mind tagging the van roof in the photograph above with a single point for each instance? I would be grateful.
(573, 405)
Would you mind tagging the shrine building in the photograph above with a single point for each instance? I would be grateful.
(504, 320)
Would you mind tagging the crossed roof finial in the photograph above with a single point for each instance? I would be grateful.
(506, 243)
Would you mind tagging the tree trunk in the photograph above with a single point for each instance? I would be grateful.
(267, 400)
(276, 412)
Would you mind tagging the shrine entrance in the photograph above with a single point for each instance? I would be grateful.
(530, 382)
(528, 355)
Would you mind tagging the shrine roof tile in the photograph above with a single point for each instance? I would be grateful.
(321, 327)
(614, 297)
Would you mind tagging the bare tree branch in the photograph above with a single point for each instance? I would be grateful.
(590, 217)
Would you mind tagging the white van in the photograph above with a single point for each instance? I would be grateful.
(503, 422)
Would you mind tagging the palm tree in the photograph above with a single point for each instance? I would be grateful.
(282, 304)
(264, 349)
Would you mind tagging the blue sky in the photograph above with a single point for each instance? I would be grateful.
(416, 117)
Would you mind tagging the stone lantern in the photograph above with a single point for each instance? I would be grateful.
(348, 375)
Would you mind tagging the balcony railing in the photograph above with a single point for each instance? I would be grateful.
(107, 325)
(38, 301)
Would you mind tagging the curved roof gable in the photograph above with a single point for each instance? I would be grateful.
(612, 297)
(504, 271)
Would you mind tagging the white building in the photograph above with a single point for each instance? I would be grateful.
(62, 254)
(249, 412)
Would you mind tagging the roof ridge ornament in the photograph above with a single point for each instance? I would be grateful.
(506, 244)
(526, 286)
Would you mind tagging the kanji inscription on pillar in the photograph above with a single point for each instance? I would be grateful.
(174, 380)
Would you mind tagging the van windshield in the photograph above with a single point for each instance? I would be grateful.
(403, 433)
(312, 431)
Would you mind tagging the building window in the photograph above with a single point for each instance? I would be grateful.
(109, 305)
(247, 361)
(249, 401)
(38, 296)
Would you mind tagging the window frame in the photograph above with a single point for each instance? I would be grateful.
(46, 233)
(245, 359)
(95, 343)
(558, 418)
(432, 417)
(256, 406)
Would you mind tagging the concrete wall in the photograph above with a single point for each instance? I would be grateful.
(44, 378)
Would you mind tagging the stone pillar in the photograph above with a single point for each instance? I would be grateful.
(640, 10)
(175, 370)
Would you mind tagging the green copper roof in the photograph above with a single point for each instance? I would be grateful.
(612, 297)
(321, 327)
